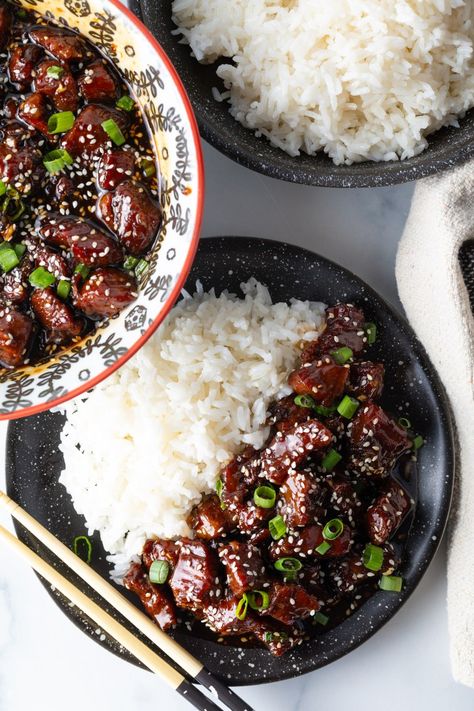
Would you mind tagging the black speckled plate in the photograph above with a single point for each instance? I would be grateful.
(34, 463)
(446, 149)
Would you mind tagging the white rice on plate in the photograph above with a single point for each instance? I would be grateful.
(154, 436)
(359, 79)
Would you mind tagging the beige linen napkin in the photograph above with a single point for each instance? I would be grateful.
(436, 301)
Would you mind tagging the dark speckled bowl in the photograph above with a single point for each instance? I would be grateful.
(447, 147)
(34, 461)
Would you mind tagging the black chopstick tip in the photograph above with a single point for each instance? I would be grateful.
(228, 697)
(195, 697)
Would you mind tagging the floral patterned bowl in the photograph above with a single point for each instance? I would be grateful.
(158, 90)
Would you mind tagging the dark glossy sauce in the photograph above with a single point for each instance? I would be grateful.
(89, 222)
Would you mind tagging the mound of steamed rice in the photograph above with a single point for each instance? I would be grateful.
(154, 436)
(360, 79)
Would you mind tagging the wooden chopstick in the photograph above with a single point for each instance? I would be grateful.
(139, 650)
(167, 644)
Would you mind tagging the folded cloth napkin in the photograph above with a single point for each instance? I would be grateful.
(433, 289)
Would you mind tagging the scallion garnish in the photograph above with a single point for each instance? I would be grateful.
(159, 571)
(8, 259)
(272, 636)
(371, 332)
(126, 103)
(347, 406)
(141, 267)
(113, 132)
(55, 71)
(277, 527)
(258, 600)
(264, 497)
(20, 249)
(333, 529)
(330, 460)
(288, 566)
(61, 122)
(372, 557)
(242, 607)
(219, 489)
(323, 548)
(304, 401)
(342, 355)
(417, 442)
(130, 263)
(3, 188)
(391, 583)
(82, 270)
(63, 289)
(320, 619)
(404, 422)
(40, 278)
(148, 167)
(84, 543)
(56, 160)
(324, 411)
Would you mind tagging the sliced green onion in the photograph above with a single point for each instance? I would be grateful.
(325, 411)
(323, 548)
(348, 406)
(219, 487)
(342, 355)
(264, 497)
(61, 122)
(41, 278)
(417, 442)
(3, 188)
(77, 543)
(82, 270)
(63, 289)
(148, 167)
(333, 529)
(56, 160)
(141, 268)
(288, 566)
(130, 263)
(159, 571)
(55, 72)
(405, 423)
(20, 209)
(372, 557)
(304, 401)
(21, 13)
(277, 528)
(256, 603)
(113, 132)
(320, 619)
(126, 103)
(330, 460)
(272, 636)
(371, 332)
(8, 259)
(20, 249)
(391, 583)
(242, 607)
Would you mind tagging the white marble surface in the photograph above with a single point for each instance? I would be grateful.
(48, 665)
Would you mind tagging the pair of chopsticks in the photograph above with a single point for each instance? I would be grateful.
(189, 664)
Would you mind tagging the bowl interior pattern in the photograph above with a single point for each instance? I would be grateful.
(161, 97)
(447, 147)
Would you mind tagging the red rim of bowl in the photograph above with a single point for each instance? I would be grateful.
(35, 409)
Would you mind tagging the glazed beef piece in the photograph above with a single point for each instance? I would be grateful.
(87, 137)
(21, 168)
(209, 520)
(16, 287)
(160, 549)
(35, 111)
(96, 82)
(301, 499)
(248, 517)
(291, 603)
(88, 244)
(344, 317)
(244, 566)
(131, 213)
(115, 167)
(23, 61)
(288, 450)
(376, 441)
(344, 499)
(61, 90)
(366, 380)
(6, 21)
(45, 257)
(105, 293)
(351, 572)
(240, 472)
(387, 512)
(195, 579)
(16, 333)
(61, 43)
(323, 380)
(55, 316)
(284, 414)
(303, 544)
(155, 598)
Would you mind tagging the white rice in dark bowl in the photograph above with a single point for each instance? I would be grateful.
(358, 79)
(154, 435)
